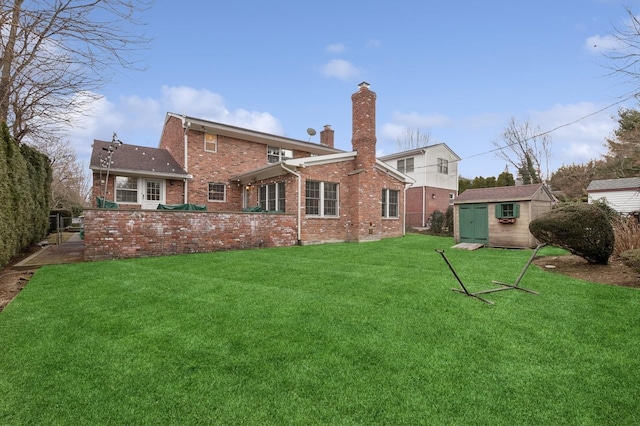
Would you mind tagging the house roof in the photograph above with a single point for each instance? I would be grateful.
(418, 151)
(287, 166)
(136, 160)
(614, 184)
(253, 135)
(502, 193)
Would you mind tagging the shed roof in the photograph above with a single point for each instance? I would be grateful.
(502, 194)
(614, 184)
(138, 160)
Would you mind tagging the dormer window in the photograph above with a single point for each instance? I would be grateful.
(276, 154)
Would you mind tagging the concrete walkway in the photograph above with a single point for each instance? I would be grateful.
(71, 251)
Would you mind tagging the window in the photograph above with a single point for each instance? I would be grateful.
(210, 142)
(126, 189)
(390, 203)
(443, 166)
(321, 198)
(406, 165)
(275, 154)
(507, 210)
(272, 197)
(217, 191)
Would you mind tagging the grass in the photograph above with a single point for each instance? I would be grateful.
(335, 334)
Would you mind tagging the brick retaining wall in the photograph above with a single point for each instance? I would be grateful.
(119, 234)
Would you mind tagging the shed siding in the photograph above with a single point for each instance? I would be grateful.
(623, 201)
(510, 235)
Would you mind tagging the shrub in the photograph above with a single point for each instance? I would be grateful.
(583, 229)
(631, 258)
(611, 213)
(437, 222)
(448, 221)
(627, 235)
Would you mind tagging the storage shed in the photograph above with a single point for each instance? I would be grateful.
(499, 217)
(623, 195)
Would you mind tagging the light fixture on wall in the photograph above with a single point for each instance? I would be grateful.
(433, 196)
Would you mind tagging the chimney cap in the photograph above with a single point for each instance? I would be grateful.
(363, 85)
(327, 127)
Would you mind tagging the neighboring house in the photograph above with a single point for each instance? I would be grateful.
(623, 195)
(335, 195)
(435, 171)
(499, 217)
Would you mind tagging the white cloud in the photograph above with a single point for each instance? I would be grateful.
(413, 119)
(373, 44)
(336, 48)
(597, 43)
(341, 69)
(577, 134)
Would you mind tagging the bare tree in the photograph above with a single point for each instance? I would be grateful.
(624, 53)
(55, 54)
(527, 149)
(70, 185)
(413, 138)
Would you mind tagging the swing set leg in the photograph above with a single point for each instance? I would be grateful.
(463, 289)
(516, 285)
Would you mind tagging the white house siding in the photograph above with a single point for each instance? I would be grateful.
(425, 171)
(623, 201)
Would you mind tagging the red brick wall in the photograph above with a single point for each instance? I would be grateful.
(172, 139)
(118, 234)
(416, 203)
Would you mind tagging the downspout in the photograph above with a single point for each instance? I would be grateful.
(424, 190)
(404, 216)
(298, 224)
(186, 126)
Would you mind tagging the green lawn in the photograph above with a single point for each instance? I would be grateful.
(343, 334)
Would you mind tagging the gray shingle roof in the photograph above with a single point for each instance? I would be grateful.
(501, 193)
(605, 184)
(137, 159)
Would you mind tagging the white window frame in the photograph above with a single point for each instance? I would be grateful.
(387, 205)
(323, 188)
(126, 190)
(213, 191)
(276, 154)
(443, 166)
(209, 141)
(406, 165)
(272, 194)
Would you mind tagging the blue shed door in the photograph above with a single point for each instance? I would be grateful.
(474, 223)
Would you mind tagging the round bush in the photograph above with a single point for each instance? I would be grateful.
(583, 229)
(631, 258)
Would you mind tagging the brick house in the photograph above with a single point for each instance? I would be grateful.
(335, 195)
(434, 169)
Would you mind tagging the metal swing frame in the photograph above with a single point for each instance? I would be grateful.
(462, 288)
(503, 286)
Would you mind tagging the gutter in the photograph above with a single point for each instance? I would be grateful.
(298, 222)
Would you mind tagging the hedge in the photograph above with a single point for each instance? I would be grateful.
(25, 195)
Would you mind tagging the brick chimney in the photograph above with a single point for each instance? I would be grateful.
(326, 136)
(364, 126)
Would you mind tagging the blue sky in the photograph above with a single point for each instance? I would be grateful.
(456, 69)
